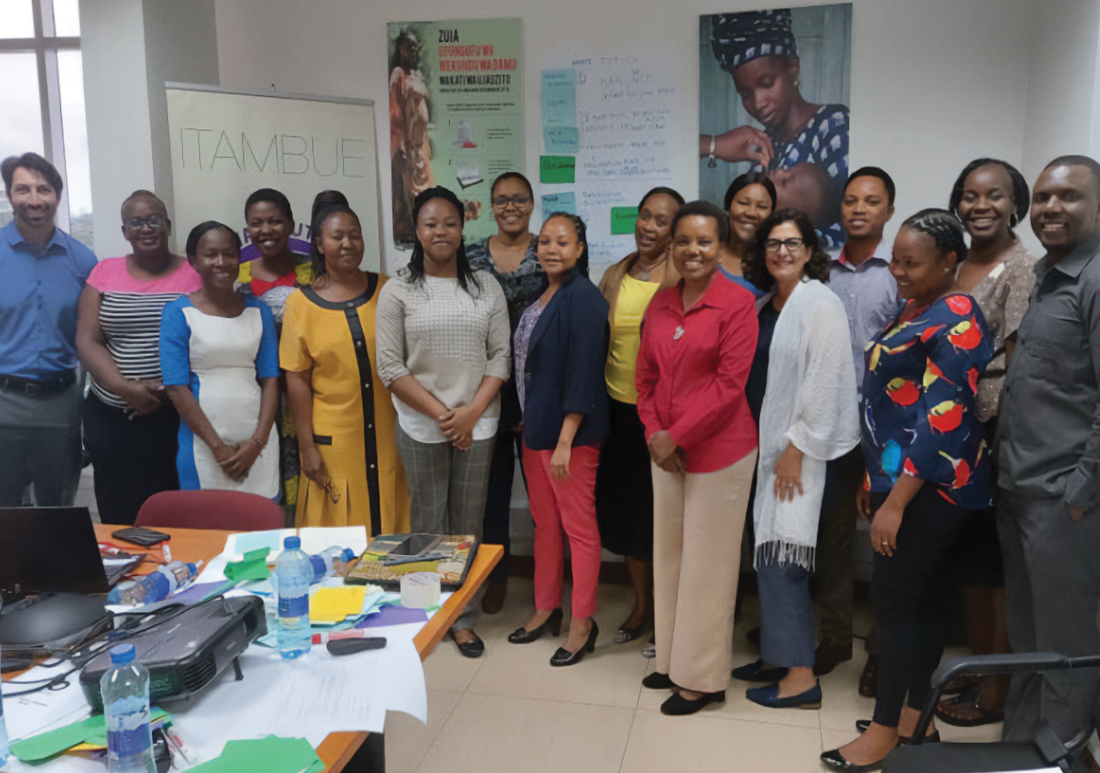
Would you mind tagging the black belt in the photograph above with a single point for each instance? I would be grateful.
(32, 387)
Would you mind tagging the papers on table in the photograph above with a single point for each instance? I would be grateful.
(265, 755)
(314, 540)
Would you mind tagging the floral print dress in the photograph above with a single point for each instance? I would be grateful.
(919, 408)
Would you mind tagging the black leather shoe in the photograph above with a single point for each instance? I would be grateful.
(678, 706)
(470, 649)
(552, 624)
(835, 760)
(868, 680)
(564, 657)
(657, 681)
(756, 672)
(863, 724)
(829, 656)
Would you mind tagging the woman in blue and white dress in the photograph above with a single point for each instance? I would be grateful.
(220, 365)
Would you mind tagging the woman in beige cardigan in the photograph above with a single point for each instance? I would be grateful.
(624, 493)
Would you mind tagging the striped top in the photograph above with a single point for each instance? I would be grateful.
(129, 315)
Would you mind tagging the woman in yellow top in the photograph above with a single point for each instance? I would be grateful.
(351, 471)
(624, 490)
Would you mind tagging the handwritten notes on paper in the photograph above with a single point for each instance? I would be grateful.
(625, 113)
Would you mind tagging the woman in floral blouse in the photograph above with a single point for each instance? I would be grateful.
(928, 469)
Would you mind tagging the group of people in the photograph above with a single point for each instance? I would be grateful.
(728, 379)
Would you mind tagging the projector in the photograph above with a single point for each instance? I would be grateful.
(186, 653)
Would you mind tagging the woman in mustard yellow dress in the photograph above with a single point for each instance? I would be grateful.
(351, 470)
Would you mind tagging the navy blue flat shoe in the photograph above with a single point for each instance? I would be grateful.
(756, 672)
(769, 696)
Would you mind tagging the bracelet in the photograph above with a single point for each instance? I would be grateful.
(257, 442)
(711, 161)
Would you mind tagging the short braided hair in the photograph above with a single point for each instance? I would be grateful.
(580, 230)
(945, 229)
(1021, 194)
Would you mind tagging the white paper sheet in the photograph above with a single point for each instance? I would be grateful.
(318, 538)
(236, 545)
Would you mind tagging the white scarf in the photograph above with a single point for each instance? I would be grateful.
(810, 401)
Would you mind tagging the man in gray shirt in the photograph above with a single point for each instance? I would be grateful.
(1048, 506)
(860, 276)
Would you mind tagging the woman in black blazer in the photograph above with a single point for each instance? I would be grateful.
(560, 348)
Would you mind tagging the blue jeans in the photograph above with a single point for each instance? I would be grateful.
(786, 615)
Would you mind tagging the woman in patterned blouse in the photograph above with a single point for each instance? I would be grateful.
(928, 469)
(990, 197)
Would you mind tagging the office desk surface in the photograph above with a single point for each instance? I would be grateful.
(205, 544)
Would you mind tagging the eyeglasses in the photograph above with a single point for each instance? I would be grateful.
(155, 222)
(773, 245)
(520, 200)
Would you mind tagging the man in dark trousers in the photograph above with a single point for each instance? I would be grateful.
(1048, 506)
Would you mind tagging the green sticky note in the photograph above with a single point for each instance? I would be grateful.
(253, 567)
(557, 169)
(622, 220)
(48, 744)
(265, 755)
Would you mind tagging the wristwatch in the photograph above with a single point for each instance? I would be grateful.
(711, 161)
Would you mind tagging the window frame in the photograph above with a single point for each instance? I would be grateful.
(44, 45)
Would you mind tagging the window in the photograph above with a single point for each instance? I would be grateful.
(42, 101)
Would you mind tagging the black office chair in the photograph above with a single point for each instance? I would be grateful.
(1044, 752)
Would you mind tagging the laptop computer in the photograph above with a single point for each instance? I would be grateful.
(51, 550)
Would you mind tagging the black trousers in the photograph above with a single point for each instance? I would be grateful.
(498, 507)
(911, 592)
(132, 459)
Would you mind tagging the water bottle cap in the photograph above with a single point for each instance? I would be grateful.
(292, 543)
(347, 555)
(122, 653)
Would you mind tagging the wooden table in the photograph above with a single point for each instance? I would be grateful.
(338, 748)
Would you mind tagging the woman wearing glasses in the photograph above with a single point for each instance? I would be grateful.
(511, 256)
(802, 389)
(130, 426)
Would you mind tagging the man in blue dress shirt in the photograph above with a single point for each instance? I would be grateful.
(42, 272)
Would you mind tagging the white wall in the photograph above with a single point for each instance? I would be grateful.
(117, 103)
(934, 83)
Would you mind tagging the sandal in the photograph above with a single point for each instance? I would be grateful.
(625, 634)
(966, 710)
(960, 684)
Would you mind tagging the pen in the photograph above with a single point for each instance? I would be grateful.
(351, 633)
(188, 756)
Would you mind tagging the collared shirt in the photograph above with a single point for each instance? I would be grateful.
(870, 297)
(39, 291)
(1050, 441)
(919, 402)
(692, 369)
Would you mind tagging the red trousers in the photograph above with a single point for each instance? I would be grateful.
(568, 504)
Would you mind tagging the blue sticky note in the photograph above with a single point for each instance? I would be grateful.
(566, 201)
(559, 98)
(562, 139)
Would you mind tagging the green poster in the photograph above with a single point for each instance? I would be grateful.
(456, 114)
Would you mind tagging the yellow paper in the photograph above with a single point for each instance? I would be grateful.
(331, 605)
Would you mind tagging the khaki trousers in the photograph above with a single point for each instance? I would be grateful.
(698, 520)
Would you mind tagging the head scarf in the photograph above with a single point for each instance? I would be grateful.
(737, 38)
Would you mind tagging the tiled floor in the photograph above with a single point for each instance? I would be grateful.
(511, 711)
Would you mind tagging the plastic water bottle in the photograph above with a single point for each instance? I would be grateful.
(125, 688)
(5, 748)
(329, 562)
(293, 574)
(153, 587)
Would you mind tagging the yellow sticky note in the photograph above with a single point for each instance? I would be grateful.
(331, 605)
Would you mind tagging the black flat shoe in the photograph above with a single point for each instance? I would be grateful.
(679, 706)
(868, 680)
(552, 624)
(564, 657)
(828, 656)
(470, 649)
(863, 724)
(756, 672)
(657, 681)
(835, 760)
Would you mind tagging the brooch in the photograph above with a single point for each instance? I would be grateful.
(677, 333)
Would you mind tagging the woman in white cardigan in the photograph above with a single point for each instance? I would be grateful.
(809, 416)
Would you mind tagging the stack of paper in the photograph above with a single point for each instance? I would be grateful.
(265, 755)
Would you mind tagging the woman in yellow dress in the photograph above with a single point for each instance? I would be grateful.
(351, 471)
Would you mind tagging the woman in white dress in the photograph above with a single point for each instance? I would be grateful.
(809, 415)
(220, 363)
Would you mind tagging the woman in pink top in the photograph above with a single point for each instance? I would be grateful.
(130, 427)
